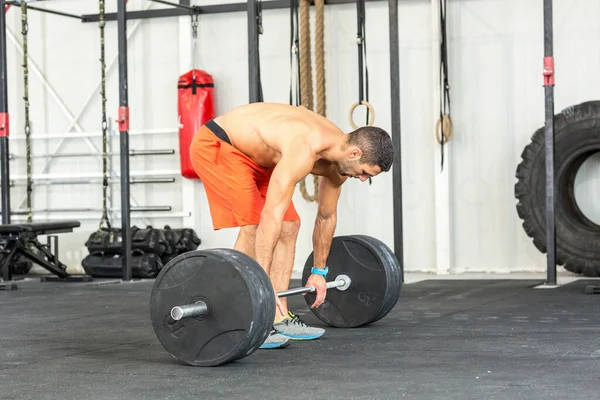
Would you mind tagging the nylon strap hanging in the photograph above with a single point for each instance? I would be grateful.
(295, 99)
(194, 17)
(445, 122)
(24, 31)
(361, 40)
(363, 70)
(104, 122)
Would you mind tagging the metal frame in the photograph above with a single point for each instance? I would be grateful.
(142, 217)
(179, 11)
(250, 7)
(74, 124)
(82, 135)
(74, 119)
(132, 181)
(4, 130)
(253, 61)
(132, 153)
(63, 14)
(396, 131)
(253, 71)
(124, 142)
(78, 210)
(549, 144)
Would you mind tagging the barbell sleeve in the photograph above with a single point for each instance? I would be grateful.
(189, 310)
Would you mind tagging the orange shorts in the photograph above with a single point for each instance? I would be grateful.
(236, 187)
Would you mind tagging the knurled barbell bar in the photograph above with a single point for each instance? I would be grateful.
(211, 307)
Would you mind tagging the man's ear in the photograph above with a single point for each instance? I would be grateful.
(354, 153)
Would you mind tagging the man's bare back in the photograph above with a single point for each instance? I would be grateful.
(266, 131)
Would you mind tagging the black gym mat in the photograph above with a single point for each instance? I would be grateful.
(446, 339)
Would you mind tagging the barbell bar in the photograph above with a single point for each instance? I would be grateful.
(200, 308)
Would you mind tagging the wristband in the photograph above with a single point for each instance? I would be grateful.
(322, 272)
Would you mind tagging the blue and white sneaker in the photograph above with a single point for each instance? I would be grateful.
(275, 341)
(294, 328)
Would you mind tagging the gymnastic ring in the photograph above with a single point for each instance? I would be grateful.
(371, 110)
(447, 129)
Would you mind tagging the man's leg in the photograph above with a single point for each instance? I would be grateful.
(283, 262)
(246, 240)
(289, 325)
(283, 256)
(246, 243)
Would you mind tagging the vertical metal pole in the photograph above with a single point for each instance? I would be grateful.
(360, 12)
(549, 105)
(124, 138)
(395, 131)
(253, 66)
(4, 120)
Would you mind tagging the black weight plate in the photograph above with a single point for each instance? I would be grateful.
(240, 300)
(393, 271)
(263, 295)
(376, 282)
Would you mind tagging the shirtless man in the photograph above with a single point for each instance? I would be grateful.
(250, 160)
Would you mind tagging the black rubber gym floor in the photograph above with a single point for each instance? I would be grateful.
(446, 339)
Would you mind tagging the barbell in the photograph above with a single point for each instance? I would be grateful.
(215, 306)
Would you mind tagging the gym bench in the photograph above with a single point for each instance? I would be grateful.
(17, 240)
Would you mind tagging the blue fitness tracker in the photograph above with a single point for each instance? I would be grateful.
(318, 271)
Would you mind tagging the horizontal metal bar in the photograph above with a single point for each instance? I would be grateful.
(157, 152)
(69, 210)
(178, 5)
(94, 182)
(169, 12)
(145, 174)
(150, 180)
(132, 153)
(63, 14)
(211, 9)
(83, 135)
(94, 217)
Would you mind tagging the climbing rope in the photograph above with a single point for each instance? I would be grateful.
(305, 56)
(24, 31)
(444, 121)
(306, 81)
(104, 218)
(320, 55)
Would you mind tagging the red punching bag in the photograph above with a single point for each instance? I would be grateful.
(196, 106)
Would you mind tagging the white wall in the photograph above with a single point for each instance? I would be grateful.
(495, 51)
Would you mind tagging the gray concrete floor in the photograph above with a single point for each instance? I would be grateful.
(445, 339)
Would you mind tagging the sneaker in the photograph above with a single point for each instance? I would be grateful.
(275, 340)
(294, 328)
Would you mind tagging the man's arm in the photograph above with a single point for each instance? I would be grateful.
(292, 167)
(326, 221)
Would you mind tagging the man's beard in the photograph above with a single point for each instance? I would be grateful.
(344, 167)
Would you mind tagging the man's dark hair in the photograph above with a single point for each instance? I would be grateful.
(376, 145)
